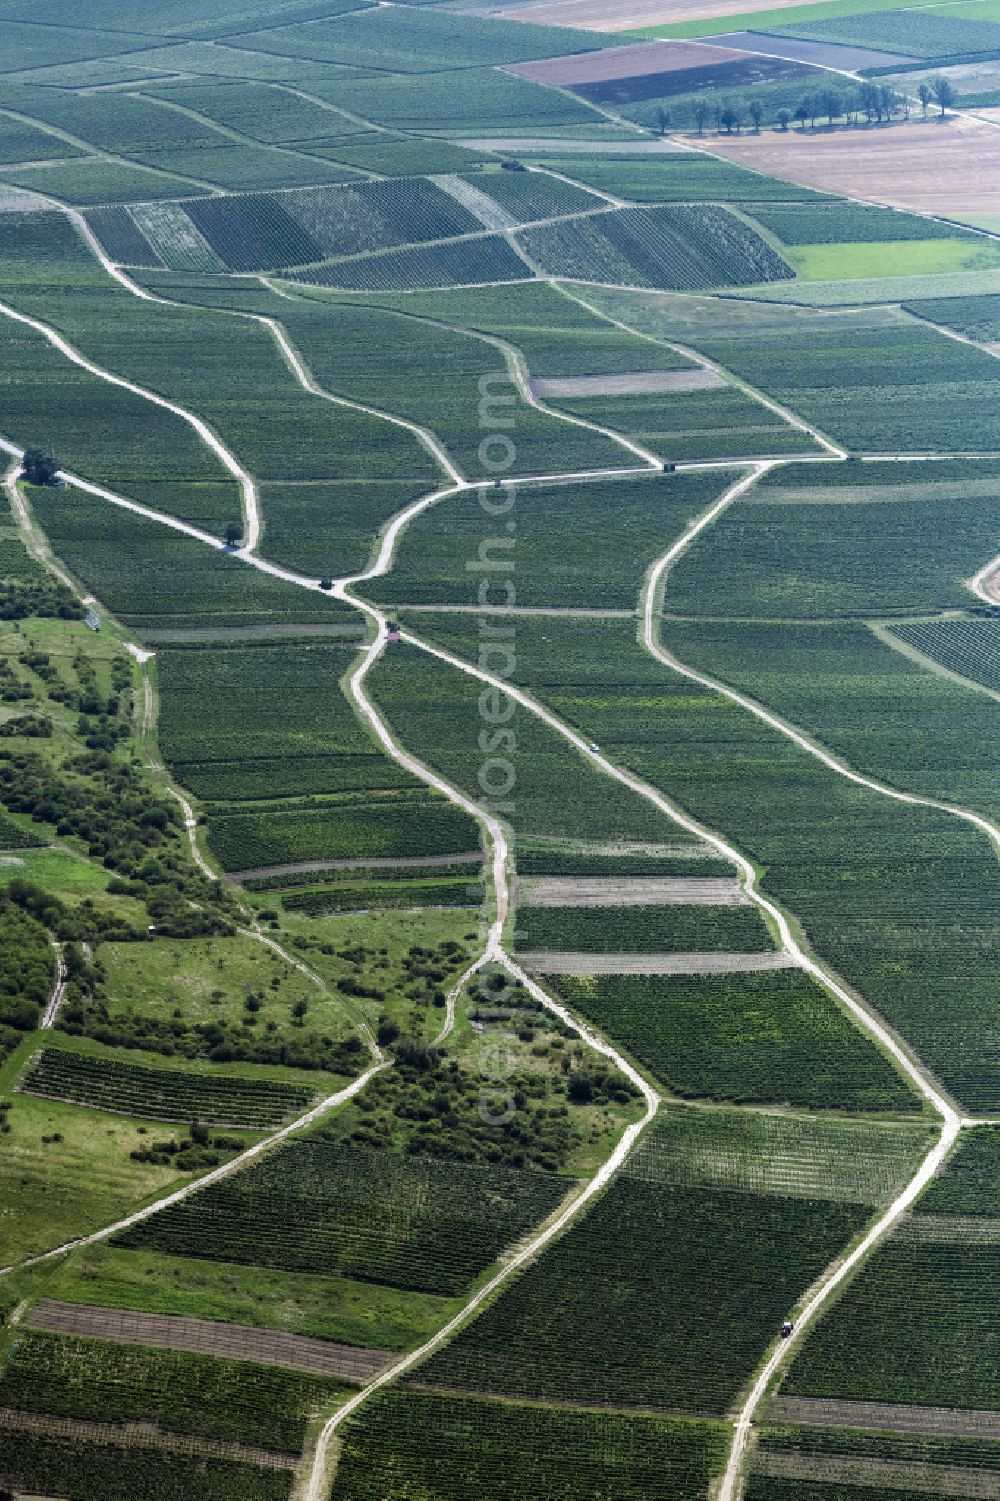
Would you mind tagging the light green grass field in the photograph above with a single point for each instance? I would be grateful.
(892, 258)
(762, 20)
(845, 292)
(53, 1192)
(359, 1313)
(208, 979)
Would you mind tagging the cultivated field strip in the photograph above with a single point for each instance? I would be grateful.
(566, 962)
(293, 1352)
(842, 1469)
(884, 1417)
(247, 486)
(125, 1088)
(929, 1166)
(140, 1435)
(629, 891)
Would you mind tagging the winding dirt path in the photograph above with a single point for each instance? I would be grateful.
(58, 989)
(495, 837)
(204, 432)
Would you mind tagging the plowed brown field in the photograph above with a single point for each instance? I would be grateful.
(951, 168)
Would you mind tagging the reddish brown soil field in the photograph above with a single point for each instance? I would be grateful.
(951, 169)
(294, 1352)
(624, 62)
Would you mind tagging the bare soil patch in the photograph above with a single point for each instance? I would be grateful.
(630, 891)
(649, 383)
(843, 1469)
(552, 963)
(623, 62)
(951, 169)
(885, 1417)
(293, 1352)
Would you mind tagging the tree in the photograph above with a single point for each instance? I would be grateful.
(887, 102)
(870, 101)
(234, 531)
(925, 93)
(663, 120)
(756, 111)
(701, 114)
(784, 118)
(731, 119)
(802, 112)
(39, 468)
(944, 93)
(580, 1087)
(830, 103)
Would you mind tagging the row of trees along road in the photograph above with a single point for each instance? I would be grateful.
(876, 102)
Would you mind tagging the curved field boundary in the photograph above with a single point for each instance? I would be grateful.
(293, 360)
(222, 453)
(951, 1123)
(514, 361)
(775, 722)
(730, 379)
